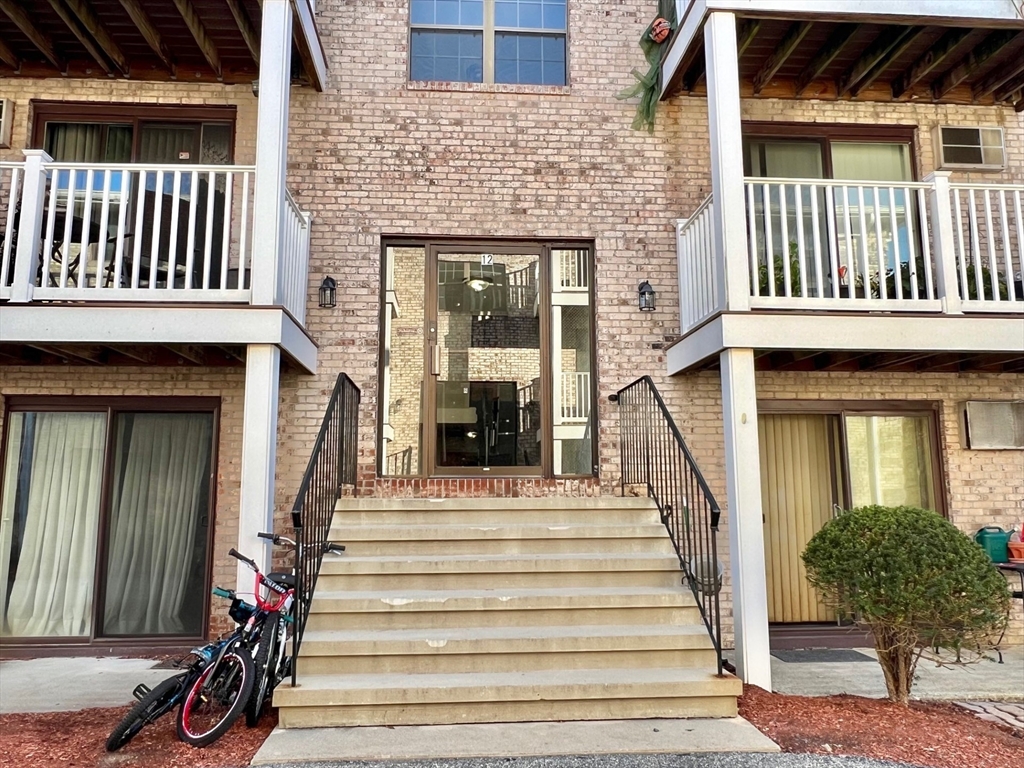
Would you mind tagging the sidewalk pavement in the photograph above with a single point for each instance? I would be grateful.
(716, 760)
(985, 680)
(71, 684)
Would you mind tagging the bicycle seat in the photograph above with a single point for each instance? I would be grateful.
(284, 579)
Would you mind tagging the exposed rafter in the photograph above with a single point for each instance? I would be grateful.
(833, 47)
(998, 80)
(90, 21)
(71, 21)
(195, 26)
(928, 61)
(897, 50)
(245, 28)
(39, 39)
(789, 43)
(973, 62)
(696, 71)
(874, 55)
(148, 30)
(1006, 92)
(9, 57)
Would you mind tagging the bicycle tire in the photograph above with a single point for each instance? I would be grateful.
(146, 711)
(266, 657)
(231, 683)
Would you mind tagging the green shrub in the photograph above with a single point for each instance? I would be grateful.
(911, 577)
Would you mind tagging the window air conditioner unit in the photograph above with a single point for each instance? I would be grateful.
(6, 113)
(977, 148)
(994, 425)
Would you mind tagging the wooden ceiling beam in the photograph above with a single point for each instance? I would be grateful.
(746, 31)
(826, 54)
(191, 353)
(90, 21)
(876, 71)
(195, 25)
(973, 62)
(1006, 92)
(789, 43)
(72, 22)
(38, 38)
(149, 32)
(245, 27)
(997, 81)
(928, 61)
(9, 57)
(83, 353)
(874, 58)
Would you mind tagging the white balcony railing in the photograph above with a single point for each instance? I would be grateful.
(140, 233)
(864, 246)
(575, 396)
(699, 279)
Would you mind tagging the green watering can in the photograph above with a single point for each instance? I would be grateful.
(993, 540)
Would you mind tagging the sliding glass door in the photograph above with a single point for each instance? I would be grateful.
(105, 524)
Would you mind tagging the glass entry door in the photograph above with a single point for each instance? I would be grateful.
(487, 388)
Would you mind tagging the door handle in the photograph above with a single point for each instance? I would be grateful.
(435, 359)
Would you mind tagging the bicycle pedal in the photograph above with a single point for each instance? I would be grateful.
(141, 691)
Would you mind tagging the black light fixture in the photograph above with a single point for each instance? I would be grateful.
(646, 297)
(328, 293)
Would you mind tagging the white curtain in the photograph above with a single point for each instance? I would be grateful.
(890, 461)
(161, 460)
(49, 528)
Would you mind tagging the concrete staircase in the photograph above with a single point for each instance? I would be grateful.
(502, 610)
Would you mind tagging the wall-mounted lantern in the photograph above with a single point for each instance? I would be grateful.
(328, 293)
(646, 297)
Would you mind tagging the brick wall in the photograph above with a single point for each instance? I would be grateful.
(22, 91)
(227, 384)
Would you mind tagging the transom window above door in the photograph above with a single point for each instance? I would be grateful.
(519, 42)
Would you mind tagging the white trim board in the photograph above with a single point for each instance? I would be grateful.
(867, 333)
(112, 324)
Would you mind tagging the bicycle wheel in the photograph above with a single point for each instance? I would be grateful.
(266, 669)
(153, 705)
(210, 710)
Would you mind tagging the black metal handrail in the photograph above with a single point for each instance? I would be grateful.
(332, 465)
(654, 455)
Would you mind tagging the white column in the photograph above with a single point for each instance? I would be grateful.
(271, 148)
(259, 456)
(746, 531)
(30, 226)
(944, 247)
(730, 236)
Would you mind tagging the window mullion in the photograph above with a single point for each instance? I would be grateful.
(488, 41)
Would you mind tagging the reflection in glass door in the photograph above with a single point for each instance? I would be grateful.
(487, 366)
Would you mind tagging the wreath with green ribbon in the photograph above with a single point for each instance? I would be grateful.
(647, 86)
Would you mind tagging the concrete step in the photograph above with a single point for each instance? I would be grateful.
(577, 694)
(505, 649)
(507, 538)
(409, 609)
(600, 510)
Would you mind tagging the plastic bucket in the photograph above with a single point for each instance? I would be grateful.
(994, 540)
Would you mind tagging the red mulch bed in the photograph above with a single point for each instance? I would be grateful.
(928, 734)
(76, 739)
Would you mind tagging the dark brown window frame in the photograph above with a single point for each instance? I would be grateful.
(826, 133)
(506, 244)
(932, 409)
(115, 113)
(112, 405)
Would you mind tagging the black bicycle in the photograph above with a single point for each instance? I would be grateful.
(153, 703)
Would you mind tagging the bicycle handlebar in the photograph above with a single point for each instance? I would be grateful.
(280, 541)
(242, 558)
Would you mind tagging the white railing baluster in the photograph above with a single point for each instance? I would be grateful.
(154, 254)
(787, 277)
(769, 254)
(882, 261)
(926, 250)
(972, 213)
(140, 204)
(13, 199)
(1011, 293)
(908, 204)
(816, 234)
(69, 219)
(119, 238)
(798, 194)
(1019, 215)
(243, 251)
(865, 257)
(832, 228)
(83, 253)
(961, 252)
(225, 247)
(752, 236)
(101, 245)
(894, 230)
(172, 241)
(993, 270)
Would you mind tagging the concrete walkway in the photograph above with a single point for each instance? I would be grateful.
(505, 740)
(716, 760)
(70, 684)
(985, 680)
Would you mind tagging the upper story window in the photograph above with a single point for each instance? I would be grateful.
(489, 41)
